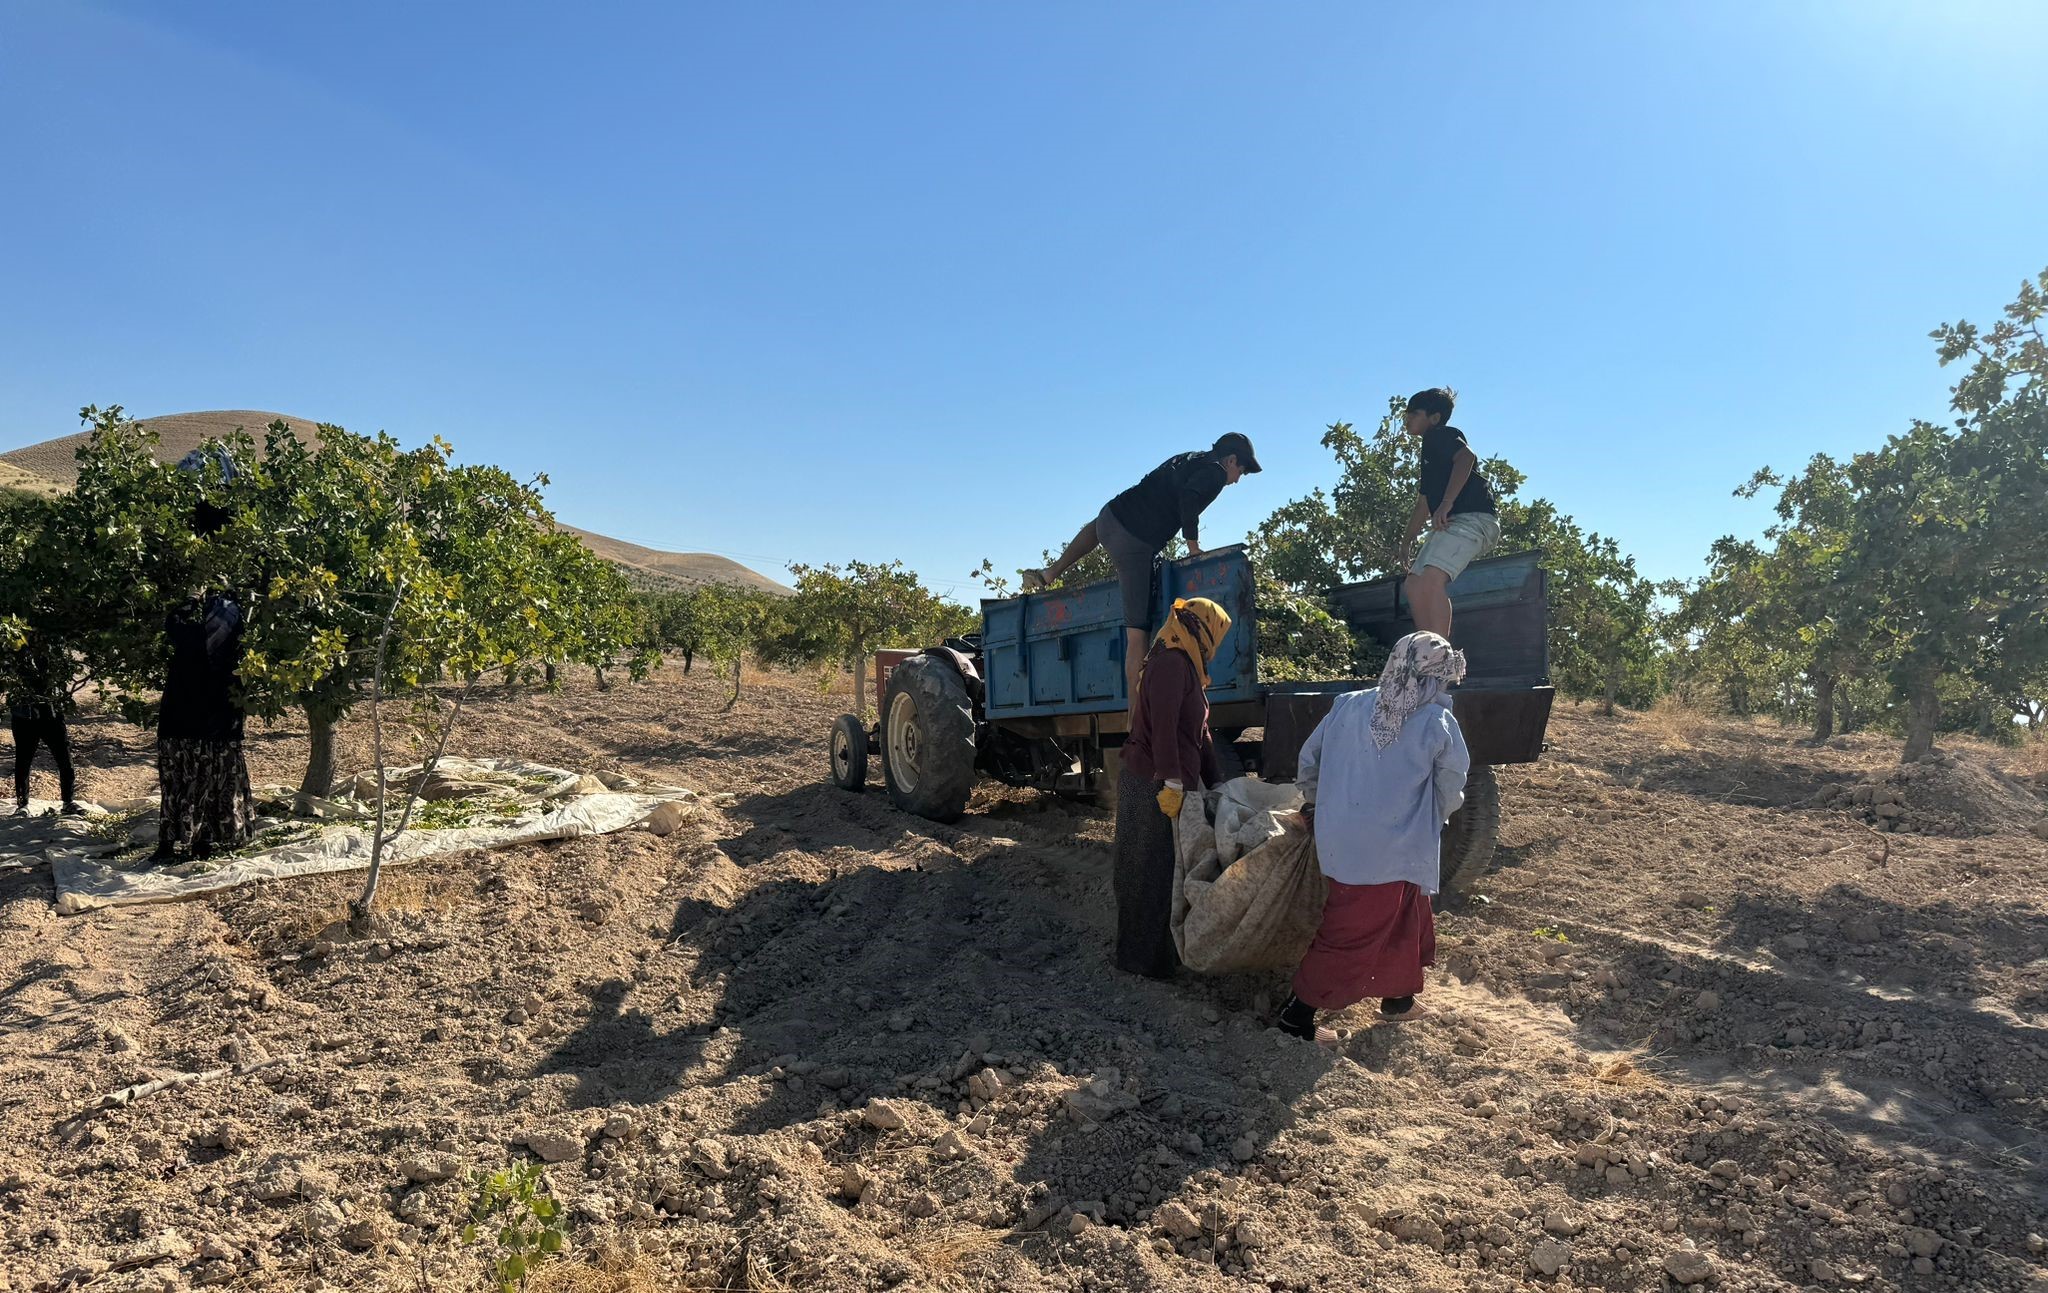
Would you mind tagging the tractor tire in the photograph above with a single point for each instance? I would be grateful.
(928, 739)
(849, 753)
(1466, 853)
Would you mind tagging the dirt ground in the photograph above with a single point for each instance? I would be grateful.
(1702, 1027)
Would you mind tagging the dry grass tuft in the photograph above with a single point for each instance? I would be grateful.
(1622, 1071)
(1676, 725)
(605, 1276)
(943, 1252)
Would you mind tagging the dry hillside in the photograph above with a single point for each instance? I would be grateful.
(1712, 1027)
(53, 465)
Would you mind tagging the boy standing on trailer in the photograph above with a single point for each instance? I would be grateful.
(1454, 501)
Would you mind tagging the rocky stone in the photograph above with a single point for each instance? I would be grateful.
(229, 1137)
(853, 1182)
(1415, 1228)
(1250, 1234)
(1708, 1000)
(1726, 1168)
(166, 1246)
(923, 1205)
(1565, 1224)
(552, 1145)
(1177, 1221)
(882, 1116)
(951, 1145)
(1688, 1266)
(619, 1126)
(283, 1179)
(1550, 1256)
(1244, 1149)
(1823, 1271)
(710, 1158)
(425, 1169)
(1079, 1224)
(833, 1079)
(367, 1233)
(1922, 1242)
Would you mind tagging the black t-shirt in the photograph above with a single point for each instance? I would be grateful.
(1171, 497)
(199, 687)
(1440, 446)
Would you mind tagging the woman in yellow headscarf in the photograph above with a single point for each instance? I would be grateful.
(1168, 753)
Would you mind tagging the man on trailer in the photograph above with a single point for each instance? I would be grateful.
(1136, 525)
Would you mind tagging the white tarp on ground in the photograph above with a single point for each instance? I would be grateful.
(471, 804)
(28, 841)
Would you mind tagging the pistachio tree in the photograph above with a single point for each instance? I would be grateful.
(841, 614)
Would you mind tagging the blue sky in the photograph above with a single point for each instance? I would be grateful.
(932, 281)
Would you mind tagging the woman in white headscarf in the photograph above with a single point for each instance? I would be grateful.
(1381, 774)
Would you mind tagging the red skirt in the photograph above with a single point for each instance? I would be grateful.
(1374, 941)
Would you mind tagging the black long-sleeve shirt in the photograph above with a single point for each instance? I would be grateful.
(199, 687)
(1171, 497)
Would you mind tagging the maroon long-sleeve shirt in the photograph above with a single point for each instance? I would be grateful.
(1170, 738)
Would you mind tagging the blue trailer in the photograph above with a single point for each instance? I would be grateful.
(1037, 698)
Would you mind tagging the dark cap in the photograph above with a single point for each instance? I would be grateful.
(1241, 445)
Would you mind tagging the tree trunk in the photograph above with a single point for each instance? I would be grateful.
(318, 782)
(602, 685)
(738, 664)
(548, 672)
(1923, 712)
(1823, 707)
(1613, 685)
(860, 692)
(689, 658)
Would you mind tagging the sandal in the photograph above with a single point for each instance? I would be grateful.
(1408, 1016)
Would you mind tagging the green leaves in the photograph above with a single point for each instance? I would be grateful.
(319, 538)
(1918, 566)
(527, 1219)
(1602, 609)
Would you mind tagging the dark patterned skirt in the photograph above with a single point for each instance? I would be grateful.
(207, 808)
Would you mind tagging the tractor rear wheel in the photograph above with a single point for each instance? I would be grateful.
(928, 739)
(1466, 852)
(849, 753)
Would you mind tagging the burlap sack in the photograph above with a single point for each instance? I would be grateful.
(1258, 913)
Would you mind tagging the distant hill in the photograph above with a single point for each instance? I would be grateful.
(51, 467)
(652, 568)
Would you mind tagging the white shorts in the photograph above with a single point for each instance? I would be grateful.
(1469, 536)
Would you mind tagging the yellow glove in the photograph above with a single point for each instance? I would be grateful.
(1170, 800)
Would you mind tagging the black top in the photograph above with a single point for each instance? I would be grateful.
(1439, 446)
(199, 688)
(24, 706)
(33, 695)
(1171, 497)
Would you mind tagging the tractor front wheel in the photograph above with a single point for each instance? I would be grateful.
(928, 739)
(849, 753)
